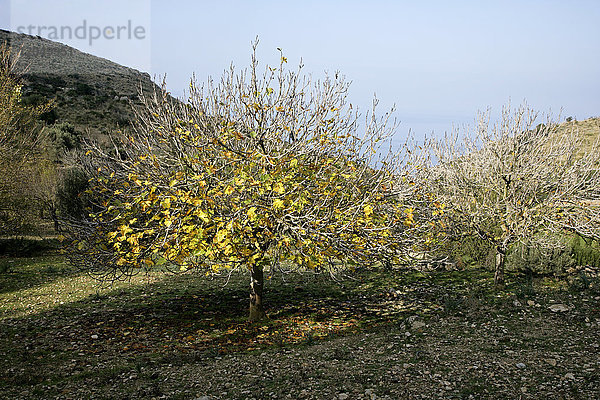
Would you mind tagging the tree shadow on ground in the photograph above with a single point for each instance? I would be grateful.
(186, 318)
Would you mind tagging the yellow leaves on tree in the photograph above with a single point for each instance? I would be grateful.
(247, 178)
(410, 217)
(252, 213)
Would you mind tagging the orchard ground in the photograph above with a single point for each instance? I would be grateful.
(379, 334)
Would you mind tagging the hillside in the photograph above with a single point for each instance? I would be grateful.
(589, 129)
(90, 92)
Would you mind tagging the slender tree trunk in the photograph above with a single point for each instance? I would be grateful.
(54, 218)
(499, 273)
(256, 293)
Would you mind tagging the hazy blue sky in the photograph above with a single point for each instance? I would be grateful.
(438, 61)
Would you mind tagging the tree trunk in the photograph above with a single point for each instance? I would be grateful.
(499, 274)
(54, 218)
(256, 293)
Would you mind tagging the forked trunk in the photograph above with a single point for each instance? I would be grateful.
(499, 273)
(256, 294)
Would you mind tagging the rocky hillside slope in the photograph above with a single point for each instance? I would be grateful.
(90, 92)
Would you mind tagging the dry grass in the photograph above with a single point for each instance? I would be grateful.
(588, 129)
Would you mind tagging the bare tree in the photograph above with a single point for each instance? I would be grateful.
(517, 180)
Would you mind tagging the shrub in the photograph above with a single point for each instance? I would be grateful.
(585, 252)
(65, 136)
(470, 250)
(529, 259)
(70, 196)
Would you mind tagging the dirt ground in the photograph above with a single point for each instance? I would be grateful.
(380, 336)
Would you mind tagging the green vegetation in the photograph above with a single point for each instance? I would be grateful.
(20, 151)
(65, 137)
